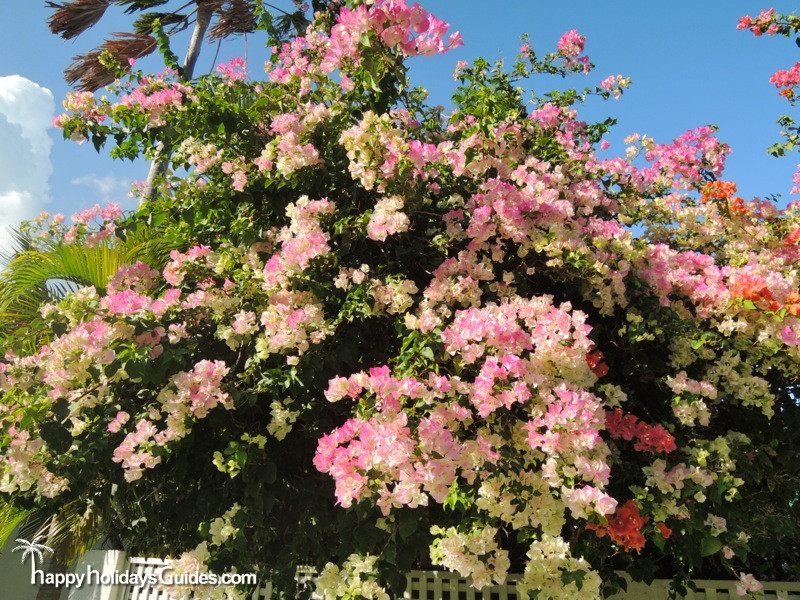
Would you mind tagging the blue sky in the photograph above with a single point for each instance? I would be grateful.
(689, 65)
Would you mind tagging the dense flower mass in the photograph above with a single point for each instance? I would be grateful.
(390, 337)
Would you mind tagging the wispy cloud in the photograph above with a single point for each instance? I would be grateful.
(26, 112)
(109, 188)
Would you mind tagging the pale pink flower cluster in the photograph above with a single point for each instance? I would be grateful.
(387, 219)
(374, 147)
(237, 172)
(126, 302)
(189, 394)
(292, 156)
(85, 104)
(202, 156)
(748, 584)
(670, 484)
(23, 467)
(70, 357)
(235, 69)
(120, 420)
(474, 554)
(301, 242)
(787, 78)
(134, 451)
(796, 181)
(681, 383)
(570, 423)
(192, 394)
(570, 46)
(615, 85)
(292, 321)
(550, 561)
(684, 159)
(764, 22)
(155, 97)
(419, 464)
(138, 277)
(174, 271)
(409, 30)
(571, 43)
(394, 297)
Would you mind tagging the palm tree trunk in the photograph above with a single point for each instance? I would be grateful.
(202, 20)
(204, 12)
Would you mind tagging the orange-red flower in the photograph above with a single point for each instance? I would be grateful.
(737, 206)
(624, 527)
(595, 361)
(664, 530)
(792, 237)
(718, 190)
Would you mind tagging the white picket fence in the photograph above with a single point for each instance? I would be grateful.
(431, 585)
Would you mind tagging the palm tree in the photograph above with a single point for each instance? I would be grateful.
(233, 17)
(88, 71)
(45, 272)
(37, 275)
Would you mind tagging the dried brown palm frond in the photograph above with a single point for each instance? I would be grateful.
(87, 72)
(145, 24)
(235, 17)
(71, 19)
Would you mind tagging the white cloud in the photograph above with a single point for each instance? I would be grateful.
(109, 188)
(26, 112)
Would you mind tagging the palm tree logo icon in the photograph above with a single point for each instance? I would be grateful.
(34, 548)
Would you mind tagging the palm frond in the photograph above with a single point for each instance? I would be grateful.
(133, 6)
(145, 24)
(235, 17)
(71, 531)
(34, 277)
(19, 242)
(10, 517)
(87, 71)
(71, 19)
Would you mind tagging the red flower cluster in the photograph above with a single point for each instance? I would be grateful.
(793, 303)
(793, 237)
(755, 289)
(724, 190)
(624, 527)
(595, 361)
(664, 530)
(648, 438)
(718, 190)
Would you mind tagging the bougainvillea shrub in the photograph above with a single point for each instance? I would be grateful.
(394, 337)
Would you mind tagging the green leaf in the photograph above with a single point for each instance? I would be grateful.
(659, 542)
(61, 409)
(577, 577)
(407, 528)
(270, 472)
(710, 545)
(643, 570)
(56, 436)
